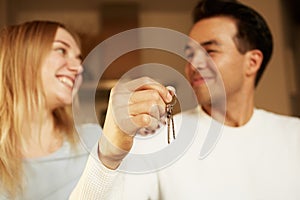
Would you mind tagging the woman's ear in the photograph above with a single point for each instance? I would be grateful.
(255, 58)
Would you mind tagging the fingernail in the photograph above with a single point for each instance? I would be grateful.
(172, 90)
(169, 97)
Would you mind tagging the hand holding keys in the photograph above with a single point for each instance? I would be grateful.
(139, 104)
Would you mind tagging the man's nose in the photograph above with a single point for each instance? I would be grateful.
(199, 60)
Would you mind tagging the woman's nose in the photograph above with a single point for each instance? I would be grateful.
(75, 65)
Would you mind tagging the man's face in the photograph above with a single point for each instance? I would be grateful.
(225, 64)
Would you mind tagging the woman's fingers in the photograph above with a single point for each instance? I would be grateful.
(139, 105)
(146, 83)
(147, 102)
(145, 122)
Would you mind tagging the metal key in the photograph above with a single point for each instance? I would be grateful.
(170, 121)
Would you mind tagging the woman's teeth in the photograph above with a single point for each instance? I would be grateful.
(66, 81)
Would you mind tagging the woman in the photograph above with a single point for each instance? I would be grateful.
(40, 156)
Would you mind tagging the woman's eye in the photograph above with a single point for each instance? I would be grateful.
(61, 51)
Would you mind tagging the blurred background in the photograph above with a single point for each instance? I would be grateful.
(96, 20)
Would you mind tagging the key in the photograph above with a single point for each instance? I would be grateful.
(169, 112)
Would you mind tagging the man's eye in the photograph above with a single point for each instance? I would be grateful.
(189, 56)
(210, 51)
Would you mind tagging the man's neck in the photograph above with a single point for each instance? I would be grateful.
(234, 113)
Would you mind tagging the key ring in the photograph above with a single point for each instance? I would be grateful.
(169, 112)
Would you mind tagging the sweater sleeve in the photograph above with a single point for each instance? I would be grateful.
(97, 181)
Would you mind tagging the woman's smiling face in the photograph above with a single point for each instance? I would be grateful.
(60, 69)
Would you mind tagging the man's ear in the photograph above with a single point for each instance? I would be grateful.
(254, 61)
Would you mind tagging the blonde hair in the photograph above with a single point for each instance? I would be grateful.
(22, 51)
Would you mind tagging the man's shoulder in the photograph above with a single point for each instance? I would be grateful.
(276, 118)
(276, 115)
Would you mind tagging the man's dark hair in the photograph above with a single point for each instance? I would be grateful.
(252, 30)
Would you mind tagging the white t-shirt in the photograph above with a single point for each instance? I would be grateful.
(257, 161)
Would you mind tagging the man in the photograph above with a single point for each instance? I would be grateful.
(258, 154)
